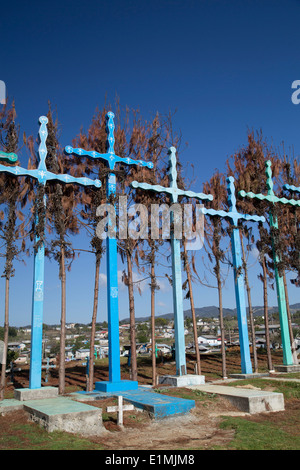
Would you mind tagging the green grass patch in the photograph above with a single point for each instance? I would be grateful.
(251, 435)
(32, 437)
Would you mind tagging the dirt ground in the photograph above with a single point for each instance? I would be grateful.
(198, 429)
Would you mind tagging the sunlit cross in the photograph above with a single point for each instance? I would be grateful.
(174, 192)
(42, 175)
(281, 298)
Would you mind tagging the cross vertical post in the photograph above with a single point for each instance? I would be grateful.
(281, 299)
(42, 175)
(115, 383)
(174, 192)
(239, 284)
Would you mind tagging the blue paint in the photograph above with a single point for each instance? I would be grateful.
(174, 192)
(111, 159)
(158, 405)
(42, 175)
(239, 283)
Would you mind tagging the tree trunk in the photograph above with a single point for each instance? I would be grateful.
(153, 344)
(255, 362)
(6, 327)
(62, 325)
(266, 314)
(294, 353)
(132, 318)
(188, 273)
(223, 350)
(93, 330)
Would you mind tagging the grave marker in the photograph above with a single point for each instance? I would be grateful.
(115, 383)
(119, 409)
(281, 299)
(234, 216)
(43, 176)
(174, 192)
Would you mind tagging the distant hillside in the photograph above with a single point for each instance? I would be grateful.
(213, 311)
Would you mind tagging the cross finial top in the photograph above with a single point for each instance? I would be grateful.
(173, 190)
(110, 128)
(172, 169)
(43, 133)
(110, 157)
(270, 197)
(231, 194)
(41, 173)
(270, 184)
(233, 215)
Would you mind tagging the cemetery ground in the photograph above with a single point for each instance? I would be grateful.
(214, 424)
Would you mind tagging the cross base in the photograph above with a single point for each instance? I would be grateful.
(121, 386)
(182, 380)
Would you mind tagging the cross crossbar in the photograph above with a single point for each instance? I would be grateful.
(110, 157)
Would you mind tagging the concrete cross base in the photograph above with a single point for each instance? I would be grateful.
(64, 414)
(24, 394)
(249, 401)
(254, 375)
(111, 387)
(291, 368)
(181, 380)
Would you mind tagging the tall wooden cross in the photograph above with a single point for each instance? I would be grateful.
(174, 192)
(281, 299)
(43, 176)
(234, 216)
(115, 383)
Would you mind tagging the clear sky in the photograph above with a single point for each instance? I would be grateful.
(225, 66)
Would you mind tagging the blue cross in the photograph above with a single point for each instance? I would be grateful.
(174, 192)
(43, 176)
(115, 383)
(281, 299)
(234, 216)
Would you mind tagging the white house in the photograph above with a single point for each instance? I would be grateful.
(209, 341)
(82, 354)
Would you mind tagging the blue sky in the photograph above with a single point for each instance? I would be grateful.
(225, 66)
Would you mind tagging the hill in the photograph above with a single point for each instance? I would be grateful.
(213, 311)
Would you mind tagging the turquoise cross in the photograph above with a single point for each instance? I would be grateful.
(115, 383)
(234, 216)
(273, 199)
(174, 192)
(43, 176)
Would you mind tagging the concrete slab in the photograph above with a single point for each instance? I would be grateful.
(288, 369)
(9, 405)
(181, 380)
(250, 401)
(156, 404)
(255, 375)
(65, 414)
(24, 394)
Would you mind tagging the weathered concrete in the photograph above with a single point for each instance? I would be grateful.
(181, 380)
(289, 369)
(64, 414)
(248, 400)
(9, 405)
(255, 375)
(24, 394)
